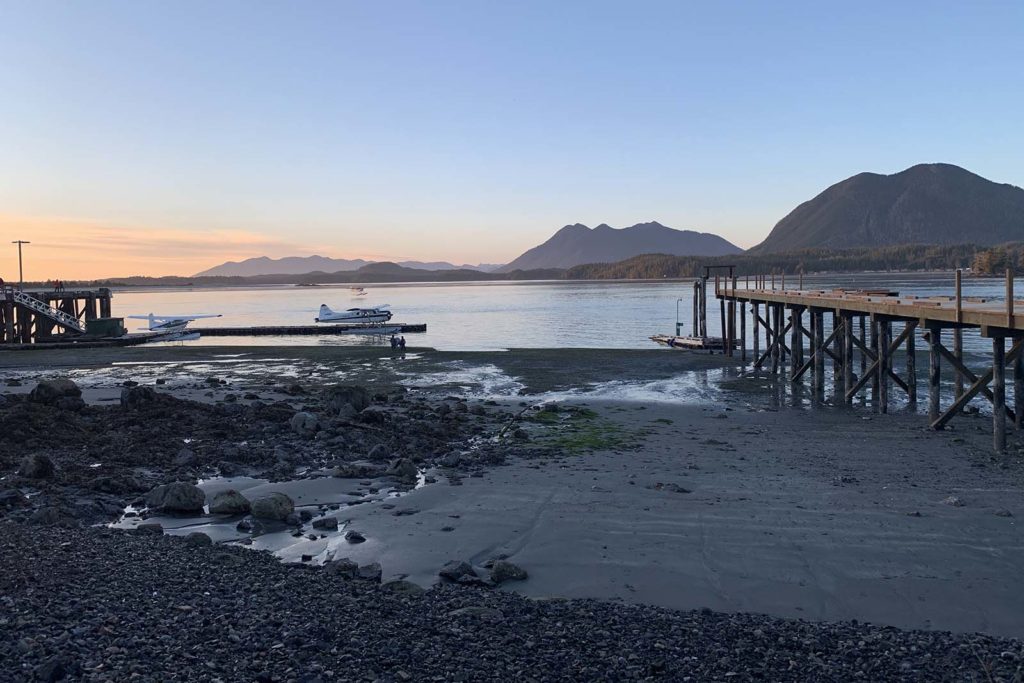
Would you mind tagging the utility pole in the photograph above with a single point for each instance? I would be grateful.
(21, 271)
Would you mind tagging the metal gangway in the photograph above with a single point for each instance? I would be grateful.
(42, 308)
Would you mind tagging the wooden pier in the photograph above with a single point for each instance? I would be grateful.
(28, 317)
(861, 334)
(306, 330)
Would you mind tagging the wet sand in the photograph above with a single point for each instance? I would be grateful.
(825, 515)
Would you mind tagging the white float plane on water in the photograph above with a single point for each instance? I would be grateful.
(380, 314)
(172, 327)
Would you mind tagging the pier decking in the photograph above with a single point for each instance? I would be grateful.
(861, 345)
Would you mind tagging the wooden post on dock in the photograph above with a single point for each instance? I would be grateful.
(1018, 392)
(934, 372)
(884, 363)
(912, 365)
(743, 332)
(847, 357)
(837, 355)
(958, 352)
(776, 333)
(873, 325)
(819, 354)
(864, 341)
(757, 333)
(1009, 298)
(999, 393)
(796, 344)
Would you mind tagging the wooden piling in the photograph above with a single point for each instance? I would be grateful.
(884, 364)
(795, 342)
(847, 357)
(819, 354)
(911, 365)
(873, 326)
(999, 394)
(757, 333)
(934, 372)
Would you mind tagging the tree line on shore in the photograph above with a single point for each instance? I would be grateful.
(897, 258)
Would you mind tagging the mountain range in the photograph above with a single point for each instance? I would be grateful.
(577, 244)
(925, 204)
(300, 265)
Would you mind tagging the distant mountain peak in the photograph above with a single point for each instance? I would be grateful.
(301, 265)
(576, 244)
(932, 203)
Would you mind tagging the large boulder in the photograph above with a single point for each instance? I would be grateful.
(273, 506)
(346, 400)
(404, 469)
(503, 570)
(36, 466)
(305, 424)
(135, 397)
(229, 502)
(178, 496)
(50, 391)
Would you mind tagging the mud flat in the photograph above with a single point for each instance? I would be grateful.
(699, 532)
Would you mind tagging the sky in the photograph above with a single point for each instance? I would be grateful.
(166, 137)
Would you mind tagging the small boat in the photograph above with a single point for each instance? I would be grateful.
(691, 343)
(380, 314)
(357, 291)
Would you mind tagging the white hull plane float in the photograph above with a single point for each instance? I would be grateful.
(172, 327)
(380, 314)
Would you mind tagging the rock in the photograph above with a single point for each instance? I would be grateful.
(150, 528)
(229, 502)
(343, 567)
(136, 397)
(451, 459)
(52, 669)
(45, 516)
(485, 613)
(273, 506)
(670, 487)
(455, 570)
(1003, 513)
(953, 501)
(293, 389)
(12, 498)
(184, 457)
(354, 537)
(503, 570)
(178, 496)
(305, 424)
(329, 523)
(369, 572)
(402, 587)
(378, 452)
(49, 391)
(358, 470)
(404, 469)
(70, 403)
(197, 539)
(36, 466)
(293, 519)
(346, 400)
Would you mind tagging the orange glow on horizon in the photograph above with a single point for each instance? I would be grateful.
(70, 249)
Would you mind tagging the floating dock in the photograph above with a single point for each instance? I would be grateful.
(306, 330)
(861, 345)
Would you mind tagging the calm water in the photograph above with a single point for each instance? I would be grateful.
(495, 315)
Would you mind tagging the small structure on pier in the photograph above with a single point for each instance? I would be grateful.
(699, 339)
(29, 317)
(854, 331)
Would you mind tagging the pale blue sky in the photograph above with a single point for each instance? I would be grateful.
(470, 131)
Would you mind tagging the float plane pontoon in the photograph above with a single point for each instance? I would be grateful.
(380, 314)
(172, 327)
